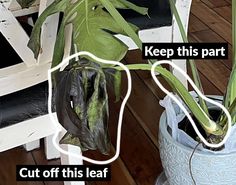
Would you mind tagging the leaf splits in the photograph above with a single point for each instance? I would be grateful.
(93, 28)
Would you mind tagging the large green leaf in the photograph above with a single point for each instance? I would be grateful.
(91, 35)
(34, 42)
(121, 21)
(93, 28)
(123, 4)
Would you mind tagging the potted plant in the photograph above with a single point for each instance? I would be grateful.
(86, 122)
(184, 165)
(188, 165)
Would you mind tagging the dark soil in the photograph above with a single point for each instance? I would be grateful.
(186, 126)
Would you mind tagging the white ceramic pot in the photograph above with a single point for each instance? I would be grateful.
(207, 168)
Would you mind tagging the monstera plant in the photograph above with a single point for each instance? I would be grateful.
(84, 82)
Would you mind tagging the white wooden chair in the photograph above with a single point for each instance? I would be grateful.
(32, 72)
(26, 74)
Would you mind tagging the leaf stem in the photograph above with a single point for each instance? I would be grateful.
(208, 125)
(193, 67)
(86, 15)
(122, 22)
(230, 94)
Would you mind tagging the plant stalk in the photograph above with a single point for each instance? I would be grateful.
(208, 125)
(234, 30)
(231, 88)
(122, 22)
(192, 64)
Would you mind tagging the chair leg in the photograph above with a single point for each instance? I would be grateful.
(50, 151)
(69, 160)
(32, 145)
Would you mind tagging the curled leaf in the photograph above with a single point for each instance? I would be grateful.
(82, 106)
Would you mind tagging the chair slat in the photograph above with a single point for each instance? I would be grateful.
(16, 10)
(16, 36)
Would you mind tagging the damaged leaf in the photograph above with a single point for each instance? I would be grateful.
(82, 106)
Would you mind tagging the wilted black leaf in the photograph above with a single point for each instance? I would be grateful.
(82, 106)
(66, 115)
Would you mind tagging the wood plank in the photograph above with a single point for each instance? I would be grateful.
(215, 72)
(196, 25)
(215, 3)
(120, 173)
(40, 159)
(48, 34)
(213, 20)
(22, 77)
(137, 150)
(209, 36)
(229, 1)
(220, 73)
(225, 12)
(208, 87)
(8, 160)
(146, 117)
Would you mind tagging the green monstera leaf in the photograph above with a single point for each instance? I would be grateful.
(93, 28)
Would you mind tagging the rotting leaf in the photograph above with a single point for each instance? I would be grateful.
(67, 116)
(70, 139)
(98, 113)
(83, 115)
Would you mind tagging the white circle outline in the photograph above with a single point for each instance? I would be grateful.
(64, 62)
(183, 108)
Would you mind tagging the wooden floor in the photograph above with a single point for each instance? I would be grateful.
(139, 161)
